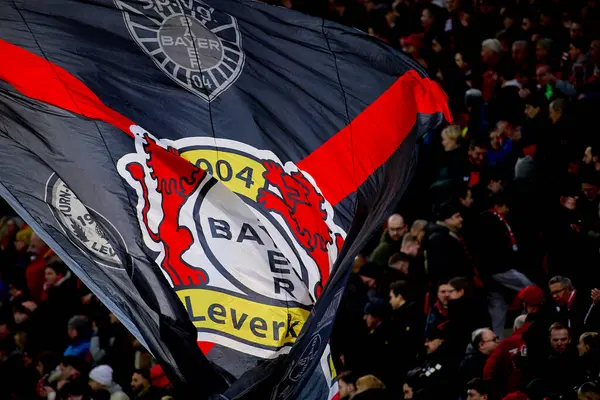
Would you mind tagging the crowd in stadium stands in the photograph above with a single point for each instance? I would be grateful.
(485, 285)
(57, 341)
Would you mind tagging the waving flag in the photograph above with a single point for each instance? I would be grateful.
(209, 170)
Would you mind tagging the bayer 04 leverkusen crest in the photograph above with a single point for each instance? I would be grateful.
(196, 46)
(246, 241)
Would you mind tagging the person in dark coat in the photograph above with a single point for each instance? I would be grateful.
(536, 118)
(406, 327)
(498, 260)
(483, 344)
(479, 389)
(13, 382)
(572, 306)
(398, 270)
(438, 315)
(465, 315)
(445, 250)
(141, 386)
(59, 303)
(349, 326)
(369, 387)
(390, 240)
(375, 346)
(561, 371)
(589, 355)
(454, 164)
(438, 371)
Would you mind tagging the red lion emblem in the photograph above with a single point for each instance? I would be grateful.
(302, 209)
(176, 179)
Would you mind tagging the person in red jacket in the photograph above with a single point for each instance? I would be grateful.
(502, 367)
(35, 272)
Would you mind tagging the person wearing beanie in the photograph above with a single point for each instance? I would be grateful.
(532, 298)
(79, 331)
(101, 379)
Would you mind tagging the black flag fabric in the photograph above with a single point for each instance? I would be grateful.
(209, 170)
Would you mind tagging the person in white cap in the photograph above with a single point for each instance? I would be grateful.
(101, 378)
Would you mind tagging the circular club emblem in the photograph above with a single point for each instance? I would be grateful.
(195, 45)
(87, 229)
(247, 241)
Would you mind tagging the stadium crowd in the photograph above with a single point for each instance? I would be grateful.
(484, 285)
(57, 341)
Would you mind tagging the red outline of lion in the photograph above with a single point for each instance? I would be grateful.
(177, 179)
(301, 206)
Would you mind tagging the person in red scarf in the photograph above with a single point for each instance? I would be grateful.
(438, 315)
(499, 260)
(571, 306)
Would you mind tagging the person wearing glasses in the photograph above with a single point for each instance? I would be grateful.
(571, 305)
(484, 342)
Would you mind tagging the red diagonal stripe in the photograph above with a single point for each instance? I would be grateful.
(42, 80)
(373, 136)
(339, 166)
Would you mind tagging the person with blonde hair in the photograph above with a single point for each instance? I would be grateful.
(453, 160)
(369, 387)
(450, 136)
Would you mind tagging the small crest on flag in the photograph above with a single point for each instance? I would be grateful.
(197, 46)
(91, 232)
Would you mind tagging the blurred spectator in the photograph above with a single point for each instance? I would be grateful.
(79, 332)
(141, 386)
(484, 342)
(390, 240)
(347, 385)
(101, 379)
